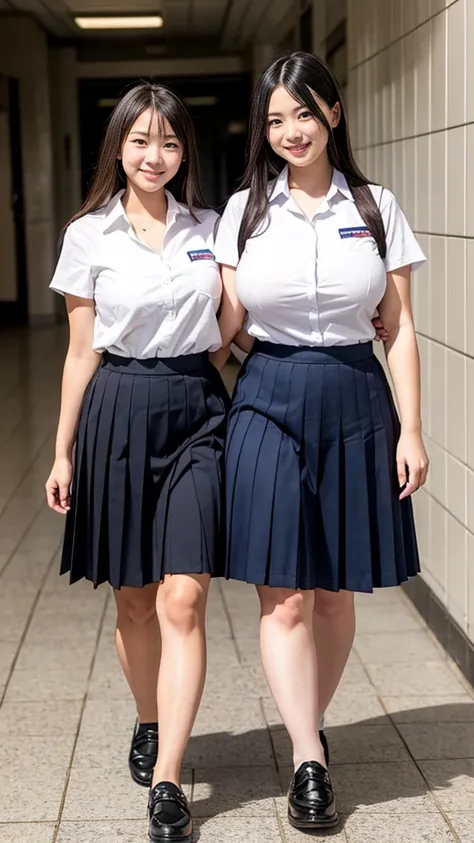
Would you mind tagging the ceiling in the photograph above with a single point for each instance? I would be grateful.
(232, 23)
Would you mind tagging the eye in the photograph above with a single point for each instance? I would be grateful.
(139, 141)
(274, 122)
(305, 114)
(171, 145)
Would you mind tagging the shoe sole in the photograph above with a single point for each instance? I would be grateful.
(314, 825)
(167, 838)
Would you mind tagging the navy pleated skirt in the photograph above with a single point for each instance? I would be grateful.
(311, 480)
(147, 494)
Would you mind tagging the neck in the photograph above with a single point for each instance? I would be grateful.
(315, 179)
(136, 201)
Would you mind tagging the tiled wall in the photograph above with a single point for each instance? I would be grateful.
(24, 55)
(411, 103)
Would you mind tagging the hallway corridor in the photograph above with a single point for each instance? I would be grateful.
(401, 729)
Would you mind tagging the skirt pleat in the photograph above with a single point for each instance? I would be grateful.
(311, 480)
(147, 493)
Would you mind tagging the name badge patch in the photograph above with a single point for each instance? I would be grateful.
(201, 255)
(359, 231)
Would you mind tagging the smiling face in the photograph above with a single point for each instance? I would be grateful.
(294, 133)
(151, 153)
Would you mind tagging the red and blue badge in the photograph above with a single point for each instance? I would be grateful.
(201, 255)
(357, 231)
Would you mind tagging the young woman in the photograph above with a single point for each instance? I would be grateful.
(319, 471)
(146, 412)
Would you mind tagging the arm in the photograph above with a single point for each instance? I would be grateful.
(231, 316)
(79, 367)
(403, 361)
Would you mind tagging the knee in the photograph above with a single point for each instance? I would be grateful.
(333, 604)
(136, 606)
(287, 608)
(182, 603)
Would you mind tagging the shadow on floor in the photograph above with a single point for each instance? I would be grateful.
(386, 762)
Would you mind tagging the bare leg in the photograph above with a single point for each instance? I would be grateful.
(290, 665)
(139, 646)
(334, 630)
(181, 606)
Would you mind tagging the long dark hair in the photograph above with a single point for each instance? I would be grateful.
(300, 73)
(109, 176)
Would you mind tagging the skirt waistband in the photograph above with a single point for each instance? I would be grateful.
(187, 364)
(316, 354)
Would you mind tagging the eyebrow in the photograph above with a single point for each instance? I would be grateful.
(147, 134)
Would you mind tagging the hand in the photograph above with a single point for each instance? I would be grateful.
(382, 334)
(58, 486)
(412, 463)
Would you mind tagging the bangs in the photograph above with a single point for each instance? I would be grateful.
(164, 121)
(305, 95)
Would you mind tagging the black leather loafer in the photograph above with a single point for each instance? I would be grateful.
(168, 814)
(143, 754)
(325, 746)
(311, 802)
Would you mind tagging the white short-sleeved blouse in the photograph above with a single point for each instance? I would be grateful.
(147, 304)
(320, 281)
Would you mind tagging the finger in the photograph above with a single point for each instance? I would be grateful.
(413, 483)
(52, 497)
(377, 322)
(402, 472)
(64, 496)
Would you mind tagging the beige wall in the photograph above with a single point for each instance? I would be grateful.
(411, 101)
(24, 55)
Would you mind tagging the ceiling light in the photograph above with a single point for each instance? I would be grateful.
(129, 22)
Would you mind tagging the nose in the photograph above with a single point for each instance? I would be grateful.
(293, 132)
(153, 155)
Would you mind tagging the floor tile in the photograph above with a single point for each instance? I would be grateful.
(228, 749)
(353, 744)
(385, 647)
(44, 785)
(99, 714)
(244, 715)
(238, 830)
(463, 825)
(59, 685)
(55, 654)
(108, 684)
(125, 831)
(27, 832)
(431, 709)
(386, 828)
(230, 792)
(8, 650)
(439, 740)
(375, 619)
(452, 783)
(106, 793)
(40, 719)
(421, 679)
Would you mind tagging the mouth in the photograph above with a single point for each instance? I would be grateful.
(149, 174)
(298, 150)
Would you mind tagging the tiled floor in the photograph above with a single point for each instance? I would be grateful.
(401, 727)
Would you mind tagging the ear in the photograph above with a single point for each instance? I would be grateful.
(336, 115)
